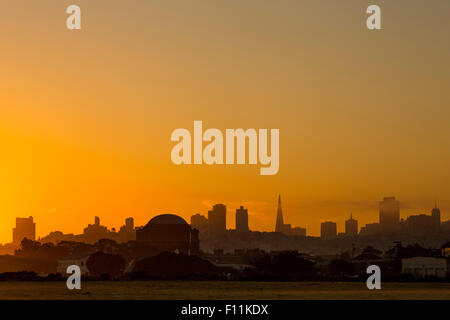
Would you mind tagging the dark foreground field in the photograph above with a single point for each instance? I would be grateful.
(222, 290)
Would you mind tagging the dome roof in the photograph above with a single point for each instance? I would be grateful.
(167, 219)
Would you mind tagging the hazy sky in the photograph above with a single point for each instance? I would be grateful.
(86, 116)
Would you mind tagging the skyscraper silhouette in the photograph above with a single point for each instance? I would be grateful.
(328, 230)
(389, 215)
(25, 228)
(217, 220)
(241, 219)
(279, 227)
(351, 227)
(436, 214)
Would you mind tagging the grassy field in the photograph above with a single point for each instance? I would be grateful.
(185, 290)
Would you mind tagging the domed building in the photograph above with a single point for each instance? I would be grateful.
(169, 232)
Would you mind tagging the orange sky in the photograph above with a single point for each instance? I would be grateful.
(86, 116)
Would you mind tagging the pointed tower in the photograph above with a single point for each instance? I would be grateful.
(279, 227)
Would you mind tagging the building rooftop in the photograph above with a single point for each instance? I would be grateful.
(167, 219)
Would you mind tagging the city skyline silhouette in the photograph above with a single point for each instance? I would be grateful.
(350, 226)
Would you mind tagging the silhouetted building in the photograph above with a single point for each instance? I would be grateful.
(286, 229)
(279, 226)
(328, 230)
(25, 228)
(79, 259)
(351, 227)
(57, 236)
(200, 223)
(389, 215)
(127, 232)
(423, 224)
(422, 267)
(129, 223)
(94, 232)
(168, 232)
(370, 229)
(217, 220)
(297, 231)
(436, 214)
(241, 220)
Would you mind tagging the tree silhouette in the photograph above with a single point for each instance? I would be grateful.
(100, 264)
(285, 265)
(340, 267)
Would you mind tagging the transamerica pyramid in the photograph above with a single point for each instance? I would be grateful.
(279, 227)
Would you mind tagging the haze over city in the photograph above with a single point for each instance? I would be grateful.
(86, 118)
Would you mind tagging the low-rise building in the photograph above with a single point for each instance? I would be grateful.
(421, 267)
(78, 260)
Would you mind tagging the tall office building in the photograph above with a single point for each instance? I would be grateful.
(217, 220)
(25, 228)
(436, 214)
(328, 230)
(129, 223)
(279, 226)
(351, 227)
(200, 223)
(241, 219)
(389, 215)
(126, 232)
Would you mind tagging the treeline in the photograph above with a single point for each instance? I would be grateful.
(111, 261)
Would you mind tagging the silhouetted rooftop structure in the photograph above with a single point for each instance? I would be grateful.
(168, 232)
(167, 219)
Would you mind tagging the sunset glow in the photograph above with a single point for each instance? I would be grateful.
(86, 117)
